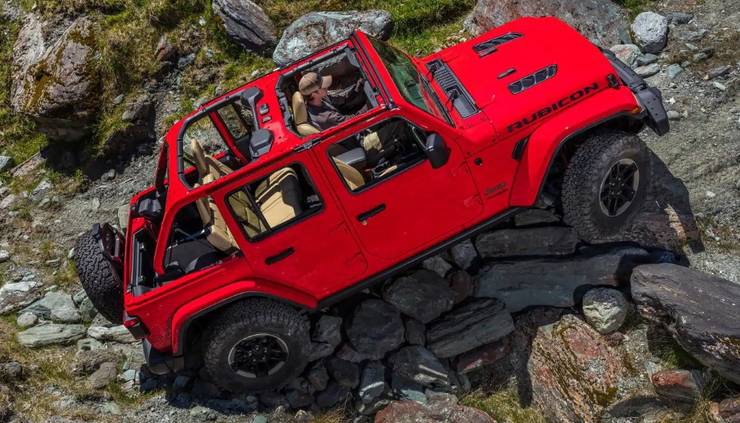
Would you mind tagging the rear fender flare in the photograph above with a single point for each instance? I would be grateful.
(186, 315)
(545, 142)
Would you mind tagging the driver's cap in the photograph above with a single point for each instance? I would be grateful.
(311, 82)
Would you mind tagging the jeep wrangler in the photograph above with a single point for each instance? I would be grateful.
(258, 218)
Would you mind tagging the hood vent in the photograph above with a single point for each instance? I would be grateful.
(530, 81)
(456, 92)
(487, 47)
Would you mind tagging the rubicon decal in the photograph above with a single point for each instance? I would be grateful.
(553, 107)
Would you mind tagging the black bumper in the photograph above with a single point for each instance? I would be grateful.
(160, 363)
(649, 97)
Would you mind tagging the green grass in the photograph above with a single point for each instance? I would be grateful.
(503, 406)
(635, 7)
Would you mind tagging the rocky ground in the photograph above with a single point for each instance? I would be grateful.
(498, 328)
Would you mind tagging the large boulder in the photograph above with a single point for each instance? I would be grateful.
(477, 323)
(556, 282)
(246, 23)
(599, 20)
(57, 306)
(418, 364)
(60, 89)
(701, 311)
(651, 31)
(375, 328)
(605, 309)
(317, 30)
(439, 408)
(548, 240)
(15, 295)
(39, 336)
(423, 295)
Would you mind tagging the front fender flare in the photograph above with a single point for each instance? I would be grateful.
(546, 140)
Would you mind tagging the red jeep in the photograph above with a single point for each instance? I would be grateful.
(258, 216)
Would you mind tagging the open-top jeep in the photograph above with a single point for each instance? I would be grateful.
(257, 216)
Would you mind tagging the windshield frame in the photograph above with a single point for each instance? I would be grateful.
(423, 84)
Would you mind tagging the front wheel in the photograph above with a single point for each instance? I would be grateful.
(605, 184)
(256, 345)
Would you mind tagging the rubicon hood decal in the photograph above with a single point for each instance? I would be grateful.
(563, 102)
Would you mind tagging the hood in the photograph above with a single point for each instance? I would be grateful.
(518, 68)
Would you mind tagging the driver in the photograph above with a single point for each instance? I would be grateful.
(322, 106)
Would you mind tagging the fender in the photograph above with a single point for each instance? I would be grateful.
(545, 141)
(187, 314)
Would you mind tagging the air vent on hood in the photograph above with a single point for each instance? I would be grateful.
(458, 95)
(487, 47)
(530, 81)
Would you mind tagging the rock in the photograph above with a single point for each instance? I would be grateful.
(11, 372)
(440, 408)
(476, 323)
(678, 385)
(298, 399)
(138, 110)
(555, 282)
(375, 328)
(483, 356)
(717, 72)
(646, 59)
(628, 53)
(332, 395)
(123, 214)
(61, 89)
(246, 24)
(15, 295)
(679, 18)
(600, 21)
(115, 334)
(87, 362)
(673, 115)
(344, 372)
(415, 332)
(372, 382)
(165, 52)
(464, 253)
(573, 371)
(105, 374)
(4, 256)
(647, 70)
(57, 306)
(26, 320)
(700, 311)
(6, 404)
(328, 330)
(50, 334)
(346, 352)
(462, 283)
(548, 240)
(720, 86)
(650, 31)
(8, 201)
(532, 217)
(404, 388)
(605, 309)
(316, 30)
(423, 295)
(418, 364)
(437, 265)
(88, 344)
(5, 163)
(673, 70)
(318, 376)
(729, 410)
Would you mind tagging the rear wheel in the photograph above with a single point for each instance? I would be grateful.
(101, 284)
(605, 184)
(256, 345)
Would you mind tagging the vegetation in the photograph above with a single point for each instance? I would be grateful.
(503, 406)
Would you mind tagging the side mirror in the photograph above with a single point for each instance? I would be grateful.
(436, 150)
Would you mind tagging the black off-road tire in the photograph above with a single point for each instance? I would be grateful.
(585, 179)
(104, 289)
(256, 318)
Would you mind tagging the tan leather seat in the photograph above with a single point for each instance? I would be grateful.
(280, 196)
(352, 176)
(300, 116)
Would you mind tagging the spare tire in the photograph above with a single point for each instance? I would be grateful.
(100, 280)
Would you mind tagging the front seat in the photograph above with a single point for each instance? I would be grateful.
(300, 116)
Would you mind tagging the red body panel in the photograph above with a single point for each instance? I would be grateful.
(424, 206)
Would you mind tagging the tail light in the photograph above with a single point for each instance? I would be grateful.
(135, 326)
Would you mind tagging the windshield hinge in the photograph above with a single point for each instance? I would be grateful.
(305, 146)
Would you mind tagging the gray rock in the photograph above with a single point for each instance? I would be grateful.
(462, 283)
(346, 352)
(328, 330)
(628, 53)
(102, 377)
(423, 295)
(679, 18)
(439, 408)
(720, 86)
(650, 31)
(601, 21)
(476, 323)
(4, 256)
(701, 311)
(673, 70)
(375, 328)
(87, 362)
(316, 30)
(407, 389)
(437, 265)
(5, 163)
(535, 217)
(464, 254)
(318, 376)
(298, 399)
(50, 334)
(8, 201)
(246, 24)
(16, 295)
(115, 334)
(554, 282)
(678, 385)
(320, 350)
(719, 71)
(88, 344)
(344, 372)
(647, 70)
(418, 364)
(26, 320)
(605, 309)
(673, 115)
(332, 395)
(139, 110)
(57, 306)
(548, 240)
(372, 382)
(646, 59)
(10, 371)
(415, 332)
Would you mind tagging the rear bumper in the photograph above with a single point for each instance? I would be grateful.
(649, 97)
(160, 363)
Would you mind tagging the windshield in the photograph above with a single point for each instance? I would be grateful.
(412, 85)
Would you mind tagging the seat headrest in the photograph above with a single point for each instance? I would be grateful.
(300, 115)
(200, 158)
